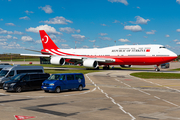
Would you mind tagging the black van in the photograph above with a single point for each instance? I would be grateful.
(25, 81)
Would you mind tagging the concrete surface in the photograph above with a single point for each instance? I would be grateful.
(108, 95)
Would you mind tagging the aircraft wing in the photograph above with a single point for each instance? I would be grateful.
(79, 58)
(36, 55)
(105, 60)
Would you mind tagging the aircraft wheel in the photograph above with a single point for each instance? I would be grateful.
(157, 69)
(46, 90)
(97, 68)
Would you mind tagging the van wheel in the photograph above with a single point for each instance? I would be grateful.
(58, 90)
(80, 88)
(18, 89)
(46, 90)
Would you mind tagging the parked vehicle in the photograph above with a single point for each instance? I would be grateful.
(65, 81)
(2, 65)
(25, 81)
(8, 72)
(165, 65)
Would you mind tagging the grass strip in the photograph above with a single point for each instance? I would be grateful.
(27, 60)
(148, 75)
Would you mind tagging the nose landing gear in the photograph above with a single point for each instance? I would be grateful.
(157, 68)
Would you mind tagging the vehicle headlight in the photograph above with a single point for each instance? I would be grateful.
(3, 81)
(12, 84)
(52, 84)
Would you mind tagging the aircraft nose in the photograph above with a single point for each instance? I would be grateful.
(174, 55)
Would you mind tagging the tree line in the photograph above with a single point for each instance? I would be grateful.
(10, 56)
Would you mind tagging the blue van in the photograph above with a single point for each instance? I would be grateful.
(62, 81)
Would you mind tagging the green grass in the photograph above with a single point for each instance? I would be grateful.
(57, 66)
(177, 69)
(75, 66)
(29, 59)
(148, 75)
(52, 71)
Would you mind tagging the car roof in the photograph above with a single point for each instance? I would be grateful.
(33, 73)
(18, 67)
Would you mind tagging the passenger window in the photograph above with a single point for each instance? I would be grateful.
(11, 73)
(29, 71)
(34, 76)
(70, 77)
(54, 77)
(63, 77)
(162, 47)
(77, 77)
(26, 78)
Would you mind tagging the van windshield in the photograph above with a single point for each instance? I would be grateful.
(54, 77)
(3, 73)
(17, 77)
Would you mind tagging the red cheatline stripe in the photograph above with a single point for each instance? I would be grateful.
(57, 52)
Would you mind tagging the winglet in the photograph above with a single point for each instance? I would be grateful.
(47, 41)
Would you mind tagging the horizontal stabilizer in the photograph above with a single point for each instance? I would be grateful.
(38, 51)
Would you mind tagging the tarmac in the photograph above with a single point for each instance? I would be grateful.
(111, 94)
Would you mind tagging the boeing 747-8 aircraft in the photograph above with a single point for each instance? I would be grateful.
(115, 55)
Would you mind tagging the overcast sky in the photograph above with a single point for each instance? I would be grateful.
(89, 23)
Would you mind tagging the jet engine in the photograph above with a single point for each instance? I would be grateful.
(57, 60)
(90, 63)
(126, 66)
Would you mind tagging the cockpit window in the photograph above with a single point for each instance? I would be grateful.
(162, 47)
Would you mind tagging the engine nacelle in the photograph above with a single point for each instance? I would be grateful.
(57, 61)
(90, 63)
(126, 66)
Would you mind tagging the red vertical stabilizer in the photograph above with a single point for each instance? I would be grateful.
(47, 41)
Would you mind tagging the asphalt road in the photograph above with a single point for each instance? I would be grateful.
(108, 95)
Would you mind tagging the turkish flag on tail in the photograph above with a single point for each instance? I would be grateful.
(147, 50)
(19, 117)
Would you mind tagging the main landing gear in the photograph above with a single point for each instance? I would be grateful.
(157, 68)
(106, 67)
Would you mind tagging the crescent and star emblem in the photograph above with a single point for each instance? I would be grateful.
(46, 39)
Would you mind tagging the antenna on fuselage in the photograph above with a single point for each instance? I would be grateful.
(75, 44)
(115, 42)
